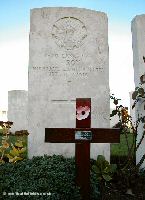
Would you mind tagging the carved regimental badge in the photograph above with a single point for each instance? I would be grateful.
(69, 33)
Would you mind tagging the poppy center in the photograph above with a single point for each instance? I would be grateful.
(83, 112)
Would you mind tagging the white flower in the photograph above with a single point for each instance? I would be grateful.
(82, 112)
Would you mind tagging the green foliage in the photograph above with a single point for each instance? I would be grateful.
(127, 177)
(14, 140)
(1, 131)
(95, 188)
(104, 172)
(128, 130)
(10, 152)
(121, 149)
(46, 174)
(128, 127)
(126, 180)
(57, 174)
(137, 94)
(103, 169)
(114, 112)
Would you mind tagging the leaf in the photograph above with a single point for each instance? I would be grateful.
(15, 159)
(136, 88)
(144, 59)
(4, 137)
(22, 150)
(107, 177)
(96, 169)
(143, 119)
(107, 170)
(2, 161)
(134, 95)
(5, 144)
(114, 112)
(133, 106)
(100, 158)
(14, 152)
(113, 168)
(141, 91)
(115, 101)
(1, 149)
(101, 163)
(9, 156)
(19, 143)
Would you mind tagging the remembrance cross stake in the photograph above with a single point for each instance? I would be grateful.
(82, 136)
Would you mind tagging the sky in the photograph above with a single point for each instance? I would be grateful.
(14, 42)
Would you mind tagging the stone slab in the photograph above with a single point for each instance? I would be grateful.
(138, 43)
(17, 109)
(68, 60)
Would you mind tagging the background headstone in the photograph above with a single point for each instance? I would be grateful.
(3, 115)
(68, 60)
(17, 109)
(138, 41)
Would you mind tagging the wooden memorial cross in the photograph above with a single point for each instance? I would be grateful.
(82, 136)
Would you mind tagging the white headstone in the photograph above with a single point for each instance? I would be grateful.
(17, 109)
(138, 40)
(68, 60)
(3, 115)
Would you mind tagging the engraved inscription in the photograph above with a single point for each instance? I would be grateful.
(69, 64)
(73, 71)
(69, 33)
(68, 57)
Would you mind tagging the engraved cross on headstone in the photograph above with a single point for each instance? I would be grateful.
(82, 136)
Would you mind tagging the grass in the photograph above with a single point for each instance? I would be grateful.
(121, 149)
